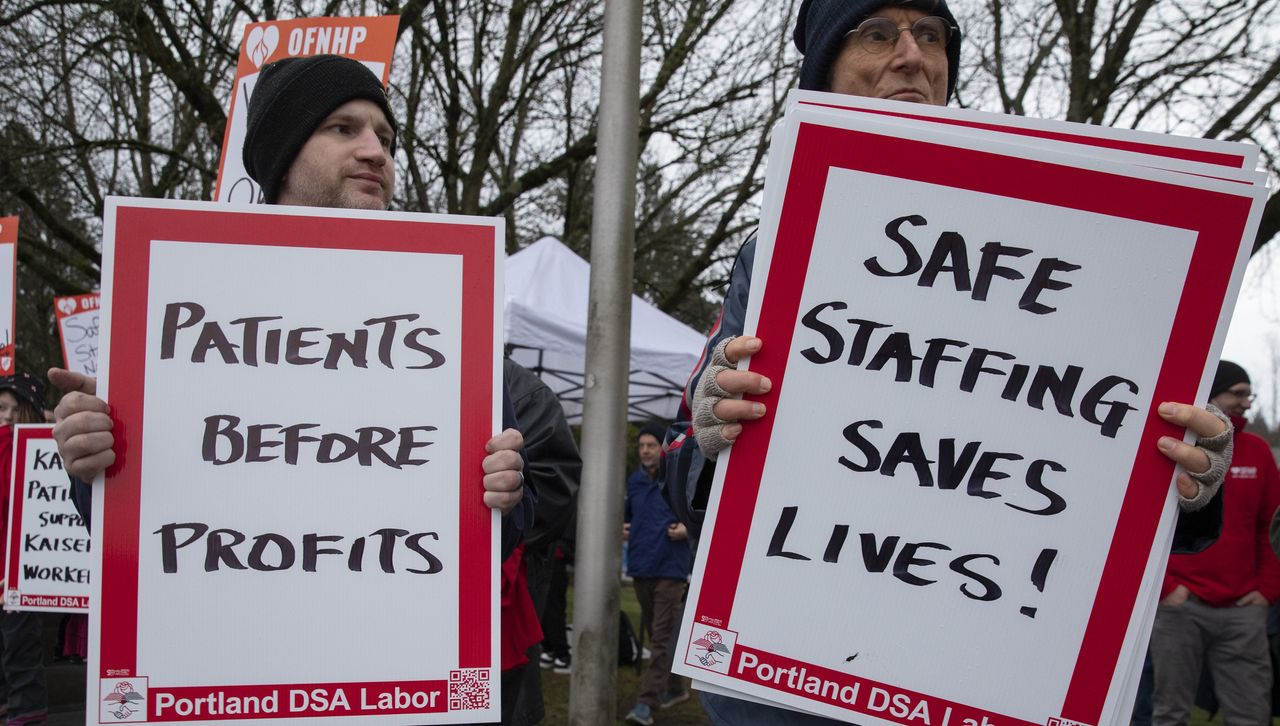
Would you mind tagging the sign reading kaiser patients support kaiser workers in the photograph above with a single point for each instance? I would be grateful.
(370, 40)
(956, 504)
(294, 526)
(47, 561)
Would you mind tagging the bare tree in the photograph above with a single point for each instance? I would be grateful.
(1194, 67)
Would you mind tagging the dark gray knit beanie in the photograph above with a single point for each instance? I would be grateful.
(823, 24)
(1228, 375)
(654, 429)
(291, 98)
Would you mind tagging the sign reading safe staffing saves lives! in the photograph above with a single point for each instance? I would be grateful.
(948, 515)
(294, 527)
(370, 40)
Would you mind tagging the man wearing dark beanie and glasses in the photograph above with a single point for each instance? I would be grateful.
(1213, 607)
(903, 50)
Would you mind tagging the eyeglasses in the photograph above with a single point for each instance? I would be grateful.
(880, 35)
(1250, 397)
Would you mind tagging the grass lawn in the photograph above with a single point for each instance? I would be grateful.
(555, 688)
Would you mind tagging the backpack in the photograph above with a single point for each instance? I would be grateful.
(628, 643)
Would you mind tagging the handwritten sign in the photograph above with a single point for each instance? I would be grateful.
(967, 343)
(370, 40)
(77, 317)
(48, 565)
(8, 288)
(304, 397)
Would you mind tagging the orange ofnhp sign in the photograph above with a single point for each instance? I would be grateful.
(370, 40)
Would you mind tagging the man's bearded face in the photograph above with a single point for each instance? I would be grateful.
(346, 163)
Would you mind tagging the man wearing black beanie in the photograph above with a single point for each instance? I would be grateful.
(905, 50)
(1213, 607)
(321, 133)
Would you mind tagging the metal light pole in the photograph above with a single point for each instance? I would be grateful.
(594, 683)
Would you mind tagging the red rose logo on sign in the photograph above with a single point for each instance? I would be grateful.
(710, 648)
(124, 702)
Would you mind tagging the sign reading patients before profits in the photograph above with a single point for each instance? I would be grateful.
(305, 396)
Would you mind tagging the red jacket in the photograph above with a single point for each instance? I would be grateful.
(1241, 560)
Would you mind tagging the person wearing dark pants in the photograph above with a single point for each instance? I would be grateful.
(21, 401)
(659, 562)
(23, 668)
(555, 637)
(1213, 607)
(555, 468)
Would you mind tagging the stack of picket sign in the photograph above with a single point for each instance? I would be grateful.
(955, 511)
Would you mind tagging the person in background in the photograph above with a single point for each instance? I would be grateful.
(1213, 607)
(554, 470)
(658, 562)
(21, 659)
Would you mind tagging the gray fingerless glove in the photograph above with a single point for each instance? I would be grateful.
(1218, 449)
(707, 428)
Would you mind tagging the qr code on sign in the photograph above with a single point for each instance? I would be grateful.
(469, 689)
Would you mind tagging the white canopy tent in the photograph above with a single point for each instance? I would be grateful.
(546, 331)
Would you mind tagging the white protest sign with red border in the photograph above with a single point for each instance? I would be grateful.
(951, 511)
(8, 291)
(77, 318)
(370, 40)
(48, 565)
(294, 526)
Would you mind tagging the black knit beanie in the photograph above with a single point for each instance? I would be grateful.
(26, 388)
(654, 429)
(1228, 375)
(823, 24)
(291, 98)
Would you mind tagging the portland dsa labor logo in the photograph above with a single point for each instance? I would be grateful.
(710, 648)
(123, 700)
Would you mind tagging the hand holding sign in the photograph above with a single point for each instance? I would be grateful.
(503, 475)
(82, 425)
(1199, 458)
(716, 415)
